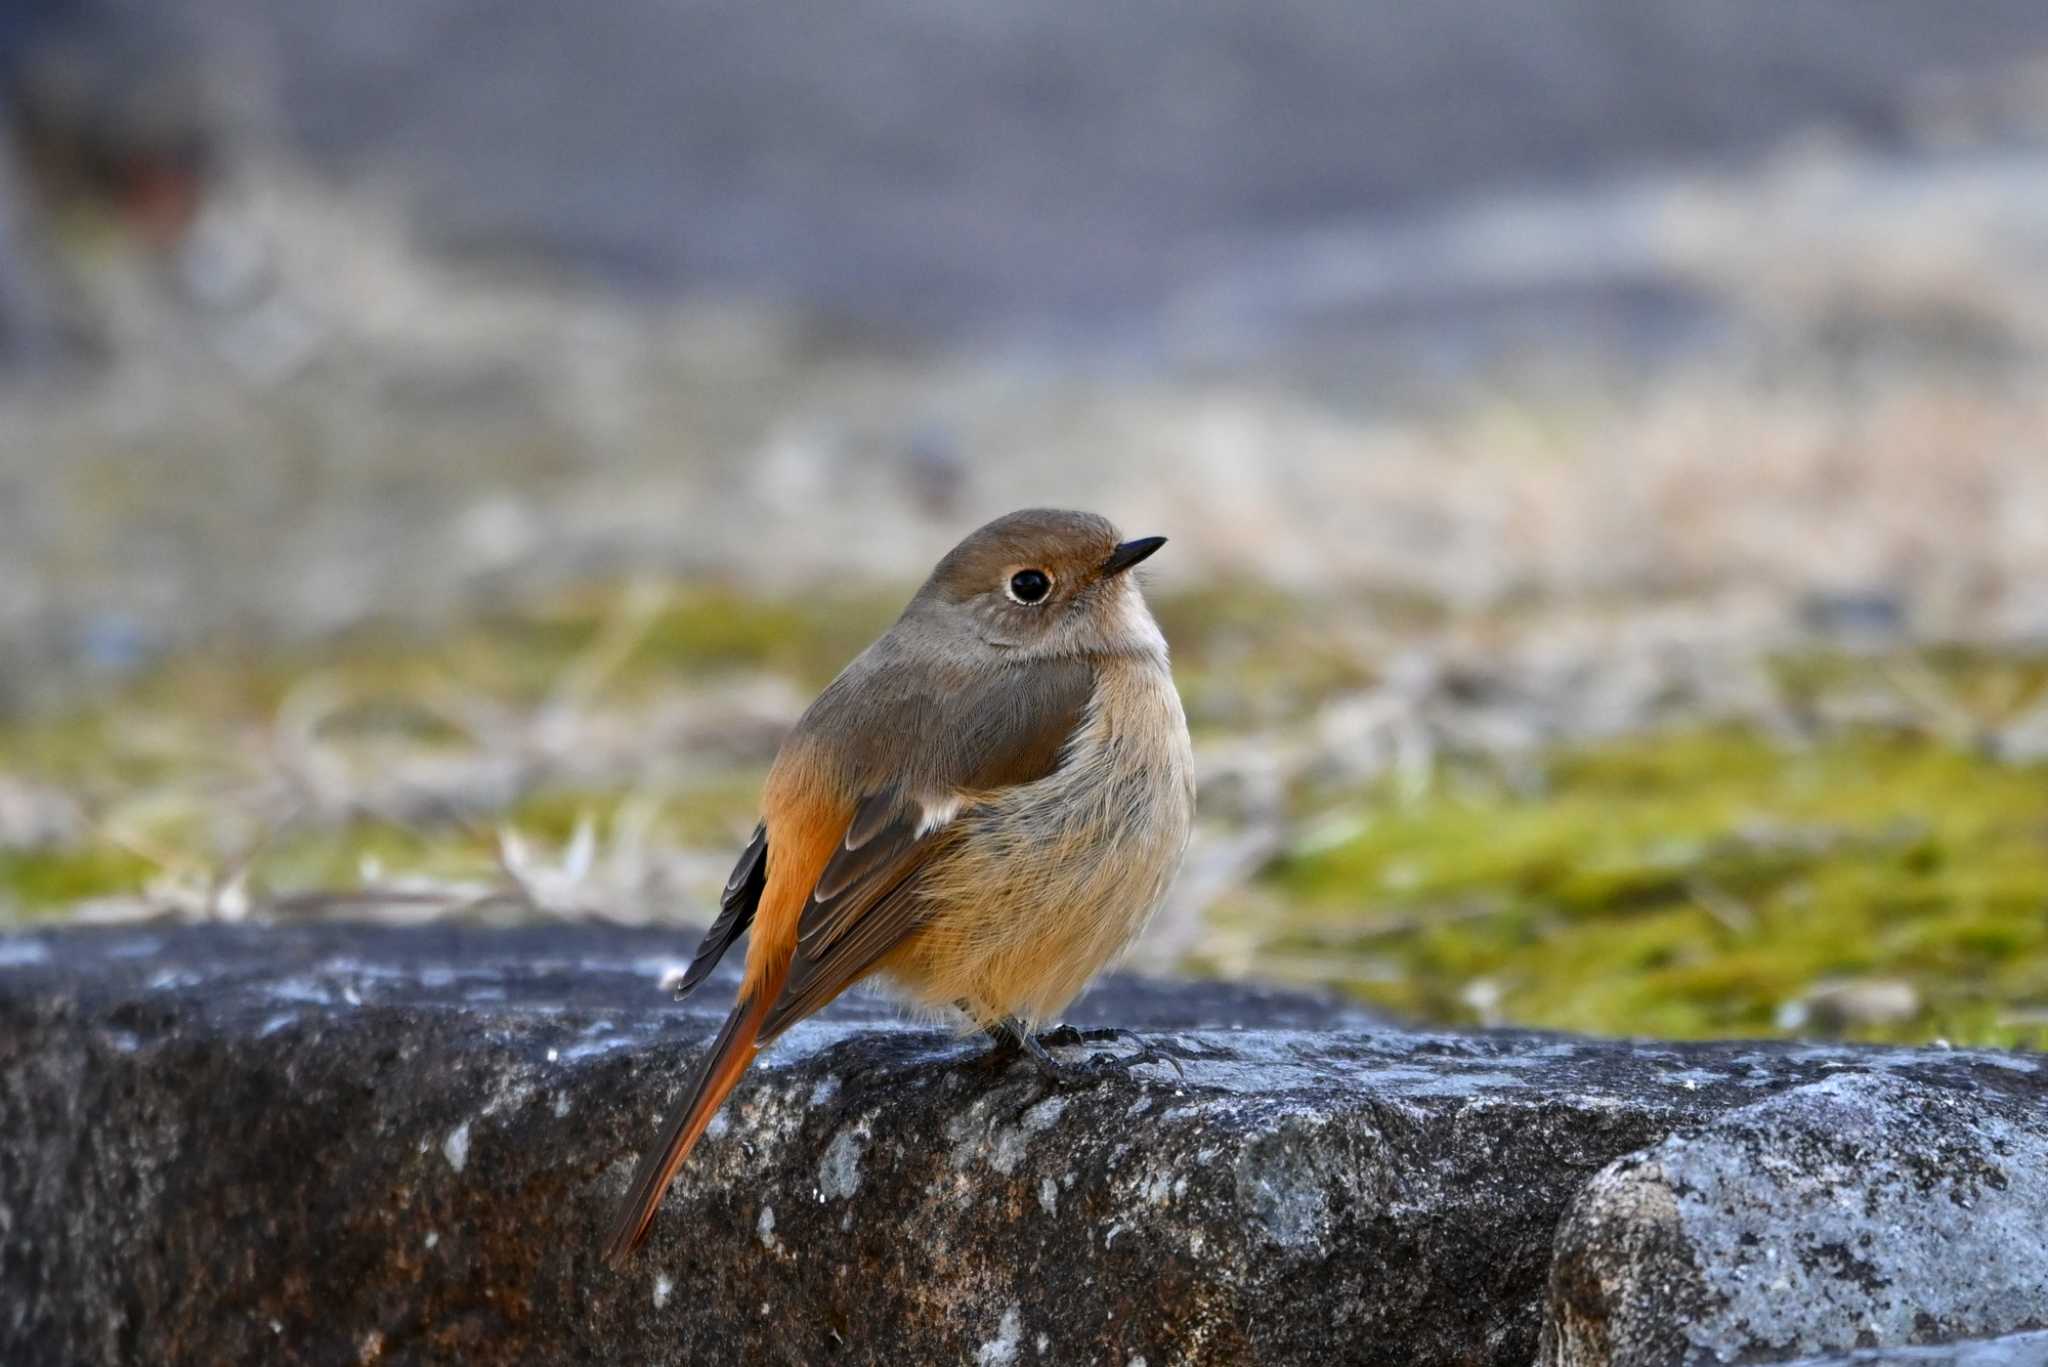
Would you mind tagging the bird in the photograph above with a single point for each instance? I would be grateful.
(982, 810)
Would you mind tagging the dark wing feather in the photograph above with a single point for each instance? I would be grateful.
(866, 900)
(735, 911)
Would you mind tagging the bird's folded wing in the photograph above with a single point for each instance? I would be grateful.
(864, 903)
(868, 898)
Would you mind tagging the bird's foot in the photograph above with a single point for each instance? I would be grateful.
(1013, 1038)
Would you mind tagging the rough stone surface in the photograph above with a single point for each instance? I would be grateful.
(1859, 1210)
(2013, 1350)
(340, 1144)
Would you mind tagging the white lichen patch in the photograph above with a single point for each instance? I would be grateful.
(433, 1237)
(510, 1093)
(839, 1169)
(1045, 1114)
(1049, 1195)
(662, 1287)
(1158, 1187)
(1283, 1186)
(1012, 1143)
(1001, 1350)
(764, 1228)
(827, 1088)
(591, 1048)
(456, 1147)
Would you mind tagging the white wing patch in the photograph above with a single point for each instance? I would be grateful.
(936, 814)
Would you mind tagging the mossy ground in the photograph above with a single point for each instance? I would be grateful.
(1689, 881)
(1683, 885)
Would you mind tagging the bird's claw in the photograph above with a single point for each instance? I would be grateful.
(1097, 1064)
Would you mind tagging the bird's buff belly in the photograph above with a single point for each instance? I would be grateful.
(1044, 887)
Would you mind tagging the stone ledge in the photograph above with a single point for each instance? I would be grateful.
(336, 1143)
(2014, 1350)
(1865, 1208)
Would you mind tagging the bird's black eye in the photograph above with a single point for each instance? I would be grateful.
(1030, 586)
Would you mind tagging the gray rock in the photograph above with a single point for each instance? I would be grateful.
(338, 1143)
(1861, 1210)
(2013, 1350)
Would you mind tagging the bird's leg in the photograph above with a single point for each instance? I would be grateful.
(1010, 1039)
(1011, 1036)
(1006, 1042)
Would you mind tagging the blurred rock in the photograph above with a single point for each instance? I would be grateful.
(1831, 1008)
(341, 1143)
(1862, 1210)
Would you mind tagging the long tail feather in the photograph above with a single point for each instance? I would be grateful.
(711, 1078)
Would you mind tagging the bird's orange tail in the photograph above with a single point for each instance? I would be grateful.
(710, 1080)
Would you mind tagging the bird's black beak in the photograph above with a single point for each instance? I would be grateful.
(1129, 554)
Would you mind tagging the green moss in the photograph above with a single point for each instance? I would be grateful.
(1694, 885)
(42, 881)
(1965, 684)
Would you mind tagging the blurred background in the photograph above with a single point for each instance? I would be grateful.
(443, 444)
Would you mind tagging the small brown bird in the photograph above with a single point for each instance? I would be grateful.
(984, 809)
